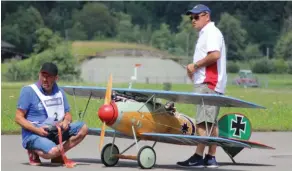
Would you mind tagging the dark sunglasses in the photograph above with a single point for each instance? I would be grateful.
(196, 17)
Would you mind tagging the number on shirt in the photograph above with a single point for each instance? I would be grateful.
(56, 118)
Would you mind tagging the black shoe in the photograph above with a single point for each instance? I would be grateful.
(210, 161)
(194, 161)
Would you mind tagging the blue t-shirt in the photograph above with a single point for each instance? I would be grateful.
(29, 101)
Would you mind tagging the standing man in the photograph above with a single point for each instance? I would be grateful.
(41, 105)
(208, 73)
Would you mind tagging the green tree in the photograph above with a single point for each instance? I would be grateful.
(46, 39)
(96, 20)
(77, 32)
(125, 28)
(284, 46)
(186, 37)
(24, 22)
(146, 34)
(251, 52)
(234, 36)
(12, 34)
(162, 38)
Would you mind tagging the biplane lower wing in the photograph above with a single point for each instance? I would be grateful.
(108, 133)
(178, 139)
(181, 139)
(253, 144)
(179, 97)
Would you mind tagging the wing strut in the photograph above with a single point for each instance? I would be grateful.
(75, 102)
(206, 125)
(86, 105)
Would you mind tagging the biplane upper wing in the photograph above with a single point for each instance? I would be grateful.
(179, 97)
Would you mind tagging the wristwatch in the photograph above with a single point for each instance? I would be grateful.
(196, 66)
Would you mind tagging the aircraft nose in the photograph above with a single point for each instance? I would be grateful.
(108, 113)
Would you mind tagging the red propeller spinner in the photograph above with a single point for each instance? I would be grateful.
(108, 113)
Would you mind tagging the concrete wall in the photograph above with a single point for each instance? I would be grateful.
(152, 70)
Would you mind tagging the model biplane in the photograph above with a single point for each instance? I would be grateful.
(139, 115)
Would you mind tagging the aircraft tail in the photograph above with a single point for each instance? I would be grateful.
(234, 126)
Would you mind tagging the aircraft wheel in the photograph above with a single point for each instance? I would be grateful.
(146, 157)
(107, 157)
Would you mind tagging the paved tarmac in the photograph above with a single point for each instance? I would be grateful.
(14, 157)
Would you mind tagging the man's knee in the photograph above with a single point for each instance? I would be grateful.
(207, 114)
(54, 152)
(79, 128)
(83, 131)
(202, 130)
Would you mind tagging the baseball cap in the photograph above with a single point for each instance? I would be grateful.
(198, 9)
(50, 68)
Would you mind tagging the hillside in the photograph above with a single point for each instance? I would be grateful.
(89, 49)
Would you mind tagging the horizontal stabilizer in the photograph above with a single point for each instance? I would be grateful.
(179, 97)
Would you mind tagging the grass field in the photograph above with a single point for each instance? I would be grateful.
(276, 98)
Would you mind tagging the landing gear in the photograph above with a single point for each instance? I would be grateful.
(146, 157)
(108, 155)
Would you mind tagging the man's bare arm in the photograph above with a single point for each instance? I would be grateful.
(20, 120)
(211, 58)
(68, 117)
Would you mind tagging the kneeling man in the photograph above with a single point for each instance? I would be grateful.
(42, 105)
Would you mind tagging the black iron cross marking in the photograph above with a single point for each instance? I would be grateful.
(184, 128)
(238, 125)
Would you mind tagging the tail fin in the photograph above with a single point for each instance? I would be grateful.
(234, 126)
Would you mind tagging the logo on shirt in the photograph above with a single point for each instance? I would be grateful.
(53, 102)
(40, 106)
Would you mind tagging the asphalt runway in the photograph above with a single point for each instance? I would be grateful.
(14, 157)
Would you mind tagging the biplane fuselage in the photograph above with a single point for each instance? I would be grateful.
(149, 118)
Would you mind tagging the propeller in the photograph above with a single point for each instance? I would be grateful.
(107, 101)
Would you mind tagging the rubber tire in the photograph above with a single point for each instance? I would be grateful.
(139, 157)
(104, 149)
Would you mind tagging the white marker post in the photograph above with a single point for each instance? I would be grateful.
(134, 77)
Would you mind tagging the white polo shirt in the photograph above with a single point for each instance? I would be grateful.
(211, 39)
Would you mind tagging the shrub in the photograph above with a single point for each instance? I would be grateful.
(280, 66)
(18, 70)
(167, 86)
(289, 67)
(61, 56)
(262, 66)
(232, 67)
